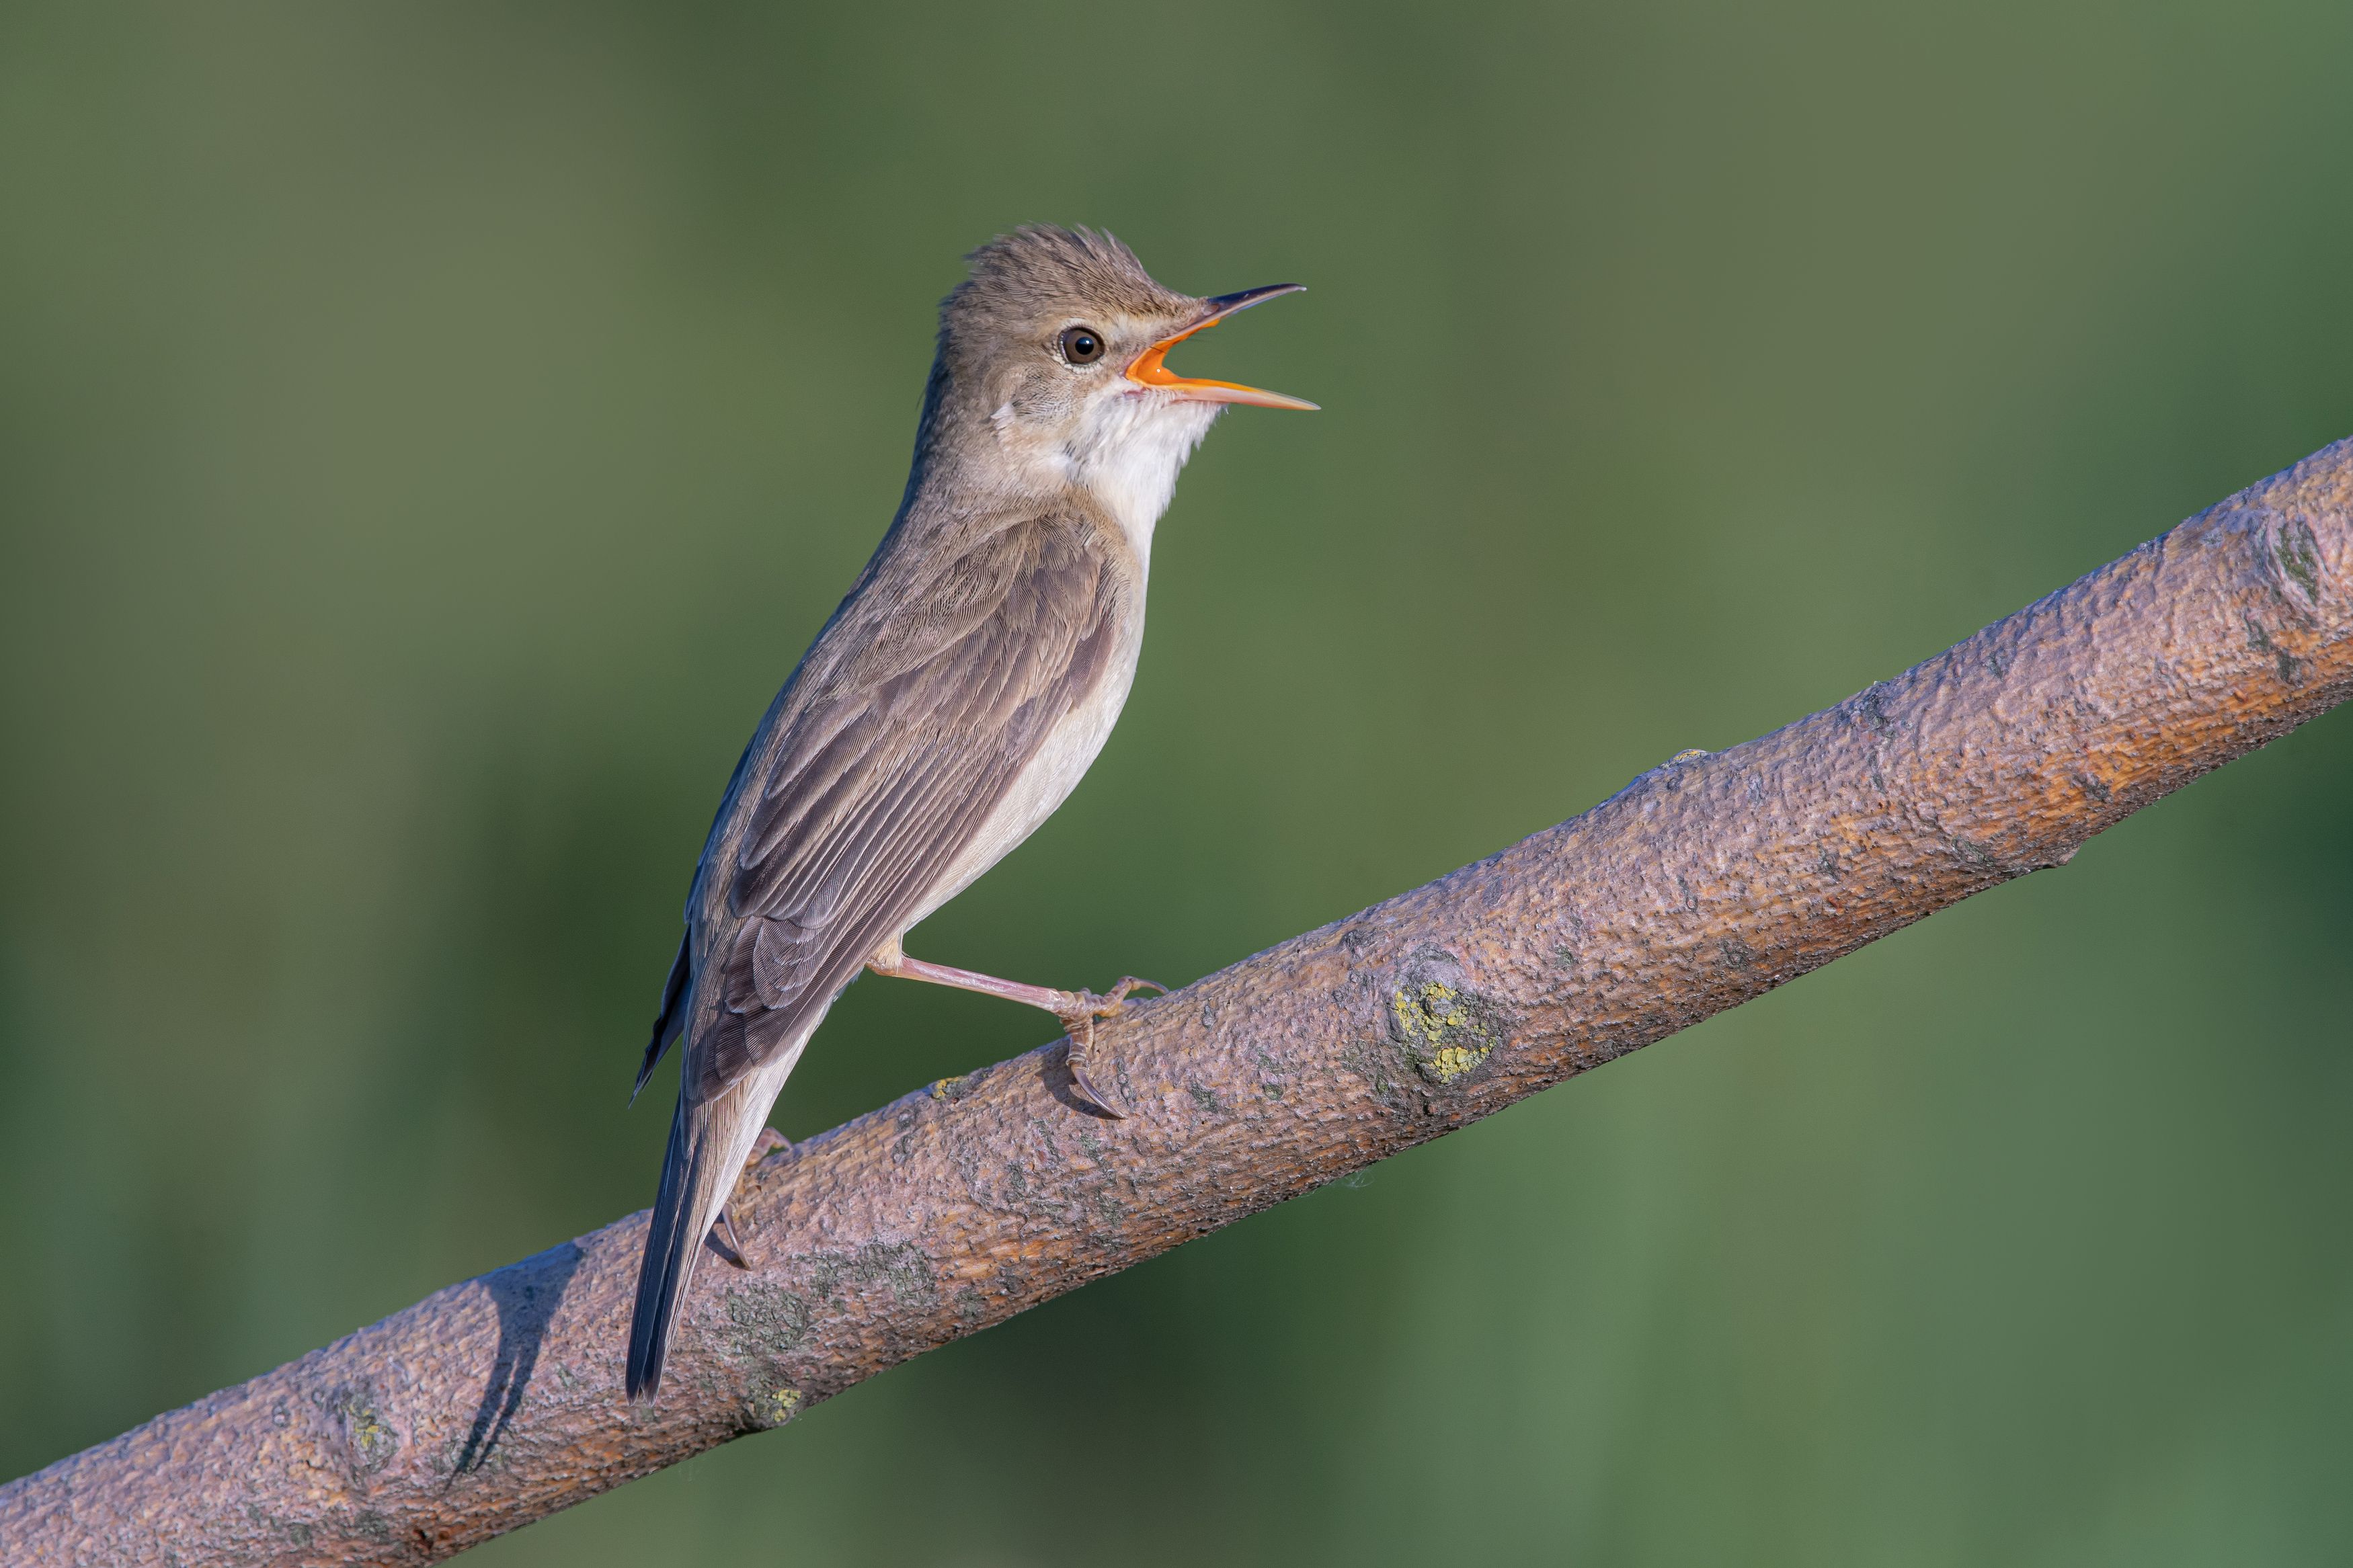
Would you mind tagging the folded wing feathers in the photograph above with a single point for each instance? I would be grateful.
(875, 782)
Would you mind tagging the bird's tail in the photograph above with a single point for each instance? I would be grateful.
(709, 1141)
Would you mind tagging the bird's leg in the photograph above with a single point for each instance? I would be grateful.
(766, 1144)
(1078, 1010)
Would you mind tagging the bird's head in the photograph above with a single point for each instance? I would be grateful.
(1052, 369)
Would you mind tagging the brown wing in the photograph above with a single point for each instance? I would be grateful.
(923, 702)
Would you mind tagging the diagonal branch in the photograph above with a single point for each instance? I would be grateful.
(1704, 882)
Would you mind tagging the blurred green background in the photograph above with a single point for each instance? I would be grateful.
(430, 432)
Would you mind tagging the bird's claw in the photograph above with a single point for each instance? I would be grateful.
(731, 1248)
(1126, 988)
(1080, 1020)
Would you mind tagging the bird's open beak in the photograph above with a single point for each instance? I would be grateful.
(1147, 370)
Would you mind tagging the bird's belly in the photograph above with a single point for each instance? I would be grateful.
(1045, 783)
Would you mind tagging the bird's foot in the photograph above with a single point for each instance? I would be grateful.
(1079, 1017)
(731, 1248)
(766, 1144)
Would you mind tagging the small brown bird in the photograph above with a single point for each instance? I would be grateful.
(949, 706)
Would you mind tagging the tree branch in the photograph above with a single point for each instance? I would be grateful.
(1704, 882)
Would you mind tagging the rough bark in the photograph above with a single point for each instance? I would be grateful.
(1706, 882)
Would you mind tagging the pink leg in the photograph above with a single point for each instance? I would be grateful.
(1078, 1010)
(1044, 997)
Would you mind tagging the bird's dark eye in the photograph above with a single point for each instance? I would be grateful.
(1082, 345)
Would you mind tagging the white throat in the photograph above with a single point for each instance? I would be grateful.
(1127, 452)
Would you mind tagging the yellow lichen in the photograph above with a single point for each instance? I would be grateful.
(1431, 1019)
(1453, 1061)
(1430, 1015)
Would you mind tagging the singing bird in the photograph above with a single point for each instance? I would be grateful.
(949, 706)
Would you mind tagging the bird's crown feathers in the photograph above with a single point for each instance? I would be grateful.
(1041, 270)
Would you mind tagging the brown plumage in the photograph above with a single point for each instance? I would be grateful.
(948, 707)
